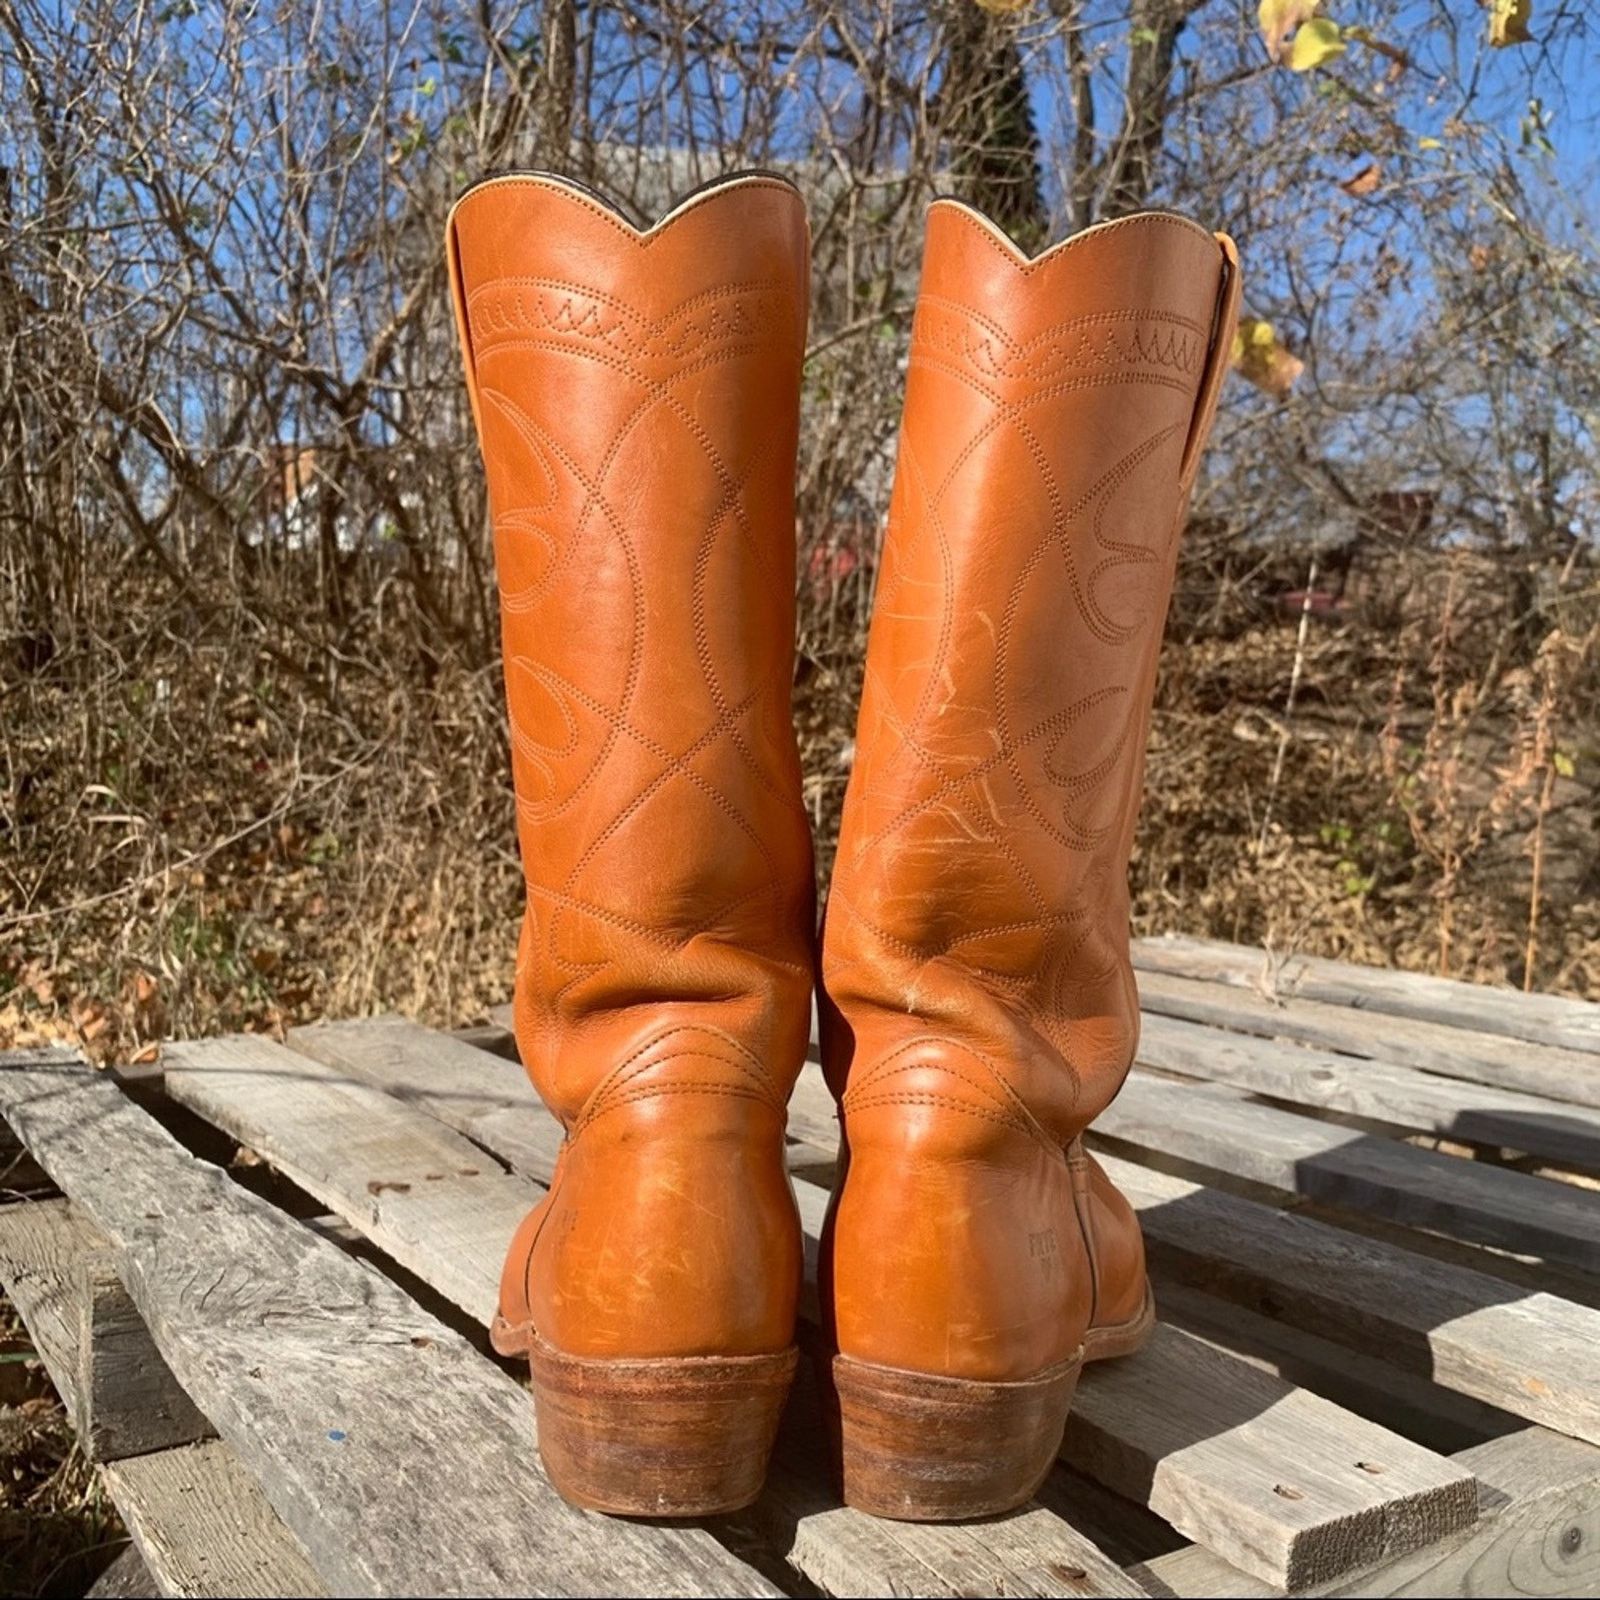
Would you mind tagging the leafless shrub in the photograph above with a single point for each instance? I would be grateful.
(249, 706)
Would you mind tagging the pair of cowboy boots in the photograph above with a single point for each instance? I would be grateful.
(636, 397)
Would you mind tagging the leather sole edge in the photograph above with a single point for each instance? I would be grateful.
(915, 1447)
(671, 1437)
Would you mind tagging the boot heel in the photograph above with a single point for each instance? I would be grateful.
(683, 1437)
(920, 1448)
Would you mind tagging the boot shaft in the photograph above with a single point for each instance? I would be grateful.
(1055, 412)
(636, 395)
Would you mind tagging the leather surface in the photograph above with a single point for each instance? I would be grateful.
(636, 395)
(980, 1007)
(1113, 1241)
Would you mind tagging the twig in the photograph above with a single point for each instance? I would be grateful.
(282, 809)
(1288, 705)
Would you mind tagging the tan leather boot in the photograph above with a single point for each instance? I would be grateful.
(636, 397)
(981, 1008)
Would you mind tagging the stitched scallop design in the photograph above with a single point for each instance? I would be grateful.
(980, 891)
(637, 397)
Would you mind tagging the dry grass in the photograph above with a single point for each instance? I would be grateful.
(207, 843)
(211, 837)
(204, 842)
(57, 1529)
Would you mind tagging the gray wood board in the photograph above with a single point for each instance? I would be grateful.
(1217, 1128)
(204, 1528)
(41, 1244)
(427, 1196)
(199, 1520)
(1555, 1073)
(122, 1399)
(1343, 1519)
(402, 1460)
(1277, 1481)
(1400, 1096)
(1407, 1401)
(1538, 1533)
(1569, 1024)
(1532, 1354)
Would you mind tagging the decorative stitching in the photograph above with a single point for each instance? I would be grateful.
(645, 1060)
(1011, 380)
(930, 1098)
(943, 331)
(577, 504)
(647, 236)
(1026, 265)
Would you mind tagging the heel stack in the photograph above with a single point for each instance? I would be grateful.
(921, 1448)
(686, 1437)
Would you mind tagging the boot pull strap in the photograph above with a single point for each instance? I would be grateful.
(1218, 359)
(458, 302)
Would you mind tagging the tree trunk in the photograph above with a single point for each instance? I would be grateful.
(1153, 30)
(986, 121)
(558, 91)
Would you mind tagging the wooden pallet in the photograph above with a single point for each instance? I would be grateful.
(1374, 1227)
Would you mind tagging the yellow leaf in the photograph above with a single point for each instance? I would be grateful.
(1279, 18)
(1315, 42)
(1260, 359)
(1430, 144)
(1508, 22)
(1565, 764)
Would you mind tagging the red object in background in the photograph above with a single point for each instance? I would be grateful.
(836, 564)
(1319, 602)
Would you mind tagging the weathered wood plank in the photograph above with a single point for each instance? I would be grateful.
(1401, 1096)
(1114, 1438)
(203, 1527)
(1409, 1402)
(1485, 1008)
(394, 1079)
(1032, 1552)
(200, 1520)
(122, 1399)
(41, 1244)
(428, 1197)
(128, 1402)
(1221, 1130)
(1541, 1069)
(1538, 1533)
(851, 1555)
(401, 1459)
(813, 1114)
(1277, 1481)
(1534, 1355)
(1124, 1529)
